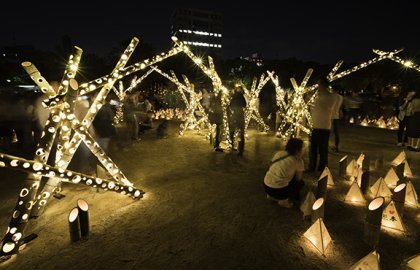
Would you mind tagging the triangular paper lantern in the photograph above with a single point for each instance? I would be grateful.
(412, 263)
(391, 218)
(306, 206)
(318, 235)
(355, 194)
(369, 262)
(327, 171)
(399, 159)
(407, 170)
(350, 170)
(364, 122)
(380, 189)
(391, 178)
(411, 197)
(360, 159)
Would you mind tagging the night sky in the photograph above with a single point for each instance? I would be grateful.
(324, 31)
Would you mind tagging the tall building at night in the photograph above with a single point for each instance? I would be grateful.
(199, 29)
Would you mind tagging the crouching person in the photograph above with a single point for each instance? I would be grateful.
(283, 180)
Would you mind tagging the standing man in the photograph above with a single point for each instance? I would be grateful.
(237, 118)
(216, 118)
(336, 115)
(321, 112)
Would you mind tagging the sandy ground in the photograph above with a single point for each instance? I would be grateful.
(207, 210)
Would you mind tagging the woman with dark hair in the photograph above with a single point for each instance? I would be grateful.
(283, 180)
(413, 127)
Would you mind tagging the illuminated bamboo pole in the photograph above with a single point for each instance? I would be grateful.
(93, 85)
(40, 81)
(358, 67)
(69, 99)
(73, 144)
(66, 108)
(63, 124)
(398, 196)
(23, 207)
(334, 70)
(74, 225)
(318, 209)
(37, 168)
(372, 228)
(392, 56)
(83, 207)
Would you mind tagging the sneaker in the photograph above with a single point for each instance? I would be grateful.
(285, 203)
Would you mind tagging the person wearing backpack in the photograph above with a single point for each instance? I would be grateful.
(283, 180)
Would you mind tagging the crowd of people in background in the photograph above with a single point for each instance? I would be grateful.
(409, 125)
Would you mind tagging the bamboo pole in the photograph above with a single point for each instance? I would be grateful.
(318, 209)
(398, 197)
(74, 225)
(372, 226)
(321, 191)
(83, 207)
(342, 166)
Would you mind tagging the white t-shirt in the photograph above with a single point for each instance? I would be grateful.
(321, 110)
(282, 172)
(337, 106)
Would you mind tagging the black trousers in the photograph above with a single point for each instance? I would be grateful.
(319, 145)
(217, 135)
(291, 191)
(402, 133)
(336, 123)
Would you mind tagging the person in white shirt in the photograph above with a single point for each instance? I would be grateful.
(321, 112)
(283, 180)
(336, 115)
